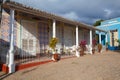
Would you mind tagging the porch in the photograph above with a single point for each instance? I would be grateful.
(30, 31)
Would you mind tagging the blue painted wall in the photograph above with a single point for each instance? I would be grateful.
(108, 25)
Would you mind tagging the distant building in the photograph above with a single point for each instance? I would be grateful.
(112, 26)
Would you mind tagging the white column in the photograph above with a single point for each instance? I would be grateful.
(54, 28)
(91, 41)
(77, 42)
(91, 37)
(11, 64)
(100, 38)
(106, 40)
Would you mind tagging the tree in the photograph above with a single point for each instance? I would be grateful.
(98, 22)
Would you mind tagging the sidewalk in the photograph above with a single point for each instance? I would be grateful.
(105, 66)
(2, 73)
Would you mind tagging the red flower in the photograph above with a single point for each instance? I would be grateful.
(82, 43)
(94, 42)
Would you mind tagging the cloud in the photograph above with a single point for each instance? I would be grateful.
(86, 11)
(108, 13)
(71, 15)
(52, 0)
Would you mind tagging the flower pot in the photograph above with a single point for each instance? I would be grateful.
(56, 57)
(99, 48)
(81, 52)
(106, 49)
(93, 51)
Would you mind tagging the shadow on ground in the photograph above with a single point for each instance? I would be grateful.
(27, 71)
(118, 51)
(4, 75)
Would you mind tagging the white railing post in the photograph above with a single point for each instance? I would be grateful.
(11, 64)
(99, 37)
(91, 41)
(54, 28)
(106, 40)
(77, 42)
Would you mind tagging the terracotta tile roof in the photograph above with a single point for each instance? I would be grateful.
(30, 10)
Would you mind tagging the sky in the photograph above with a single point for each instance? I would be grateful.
(86, 11)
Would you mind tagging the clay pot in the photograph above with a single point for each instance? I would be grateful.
(99, 48)
(81, 52)
(93, 51)
(106, 49)
(56, 57)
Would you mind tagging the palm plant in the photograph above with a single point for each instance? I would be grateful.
(53, 43)
(118, 43)
(107, 43)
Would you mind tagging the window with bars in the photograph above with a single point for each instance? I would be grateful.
(27, 44)
(24, 44)
(31, 44)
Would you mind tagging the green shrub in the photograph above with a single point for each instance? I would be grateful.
(53, 43)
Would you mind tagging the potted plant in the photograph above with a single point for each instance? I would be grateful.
(94, 42)
(82, 47)
(118, 40)
(99, 47)
(107, 43)
(52, 45)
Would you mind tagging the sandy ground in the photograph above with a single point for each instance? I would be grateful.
(105, 66)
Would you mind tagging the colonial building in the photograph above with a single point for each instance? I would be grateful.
(25, 33)
(112, 26)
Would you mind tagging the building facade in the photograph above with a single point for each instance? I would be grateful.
(25, 34)
(112, 26)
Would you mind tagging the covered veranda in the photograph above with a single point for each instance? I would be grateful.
(31, 30)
